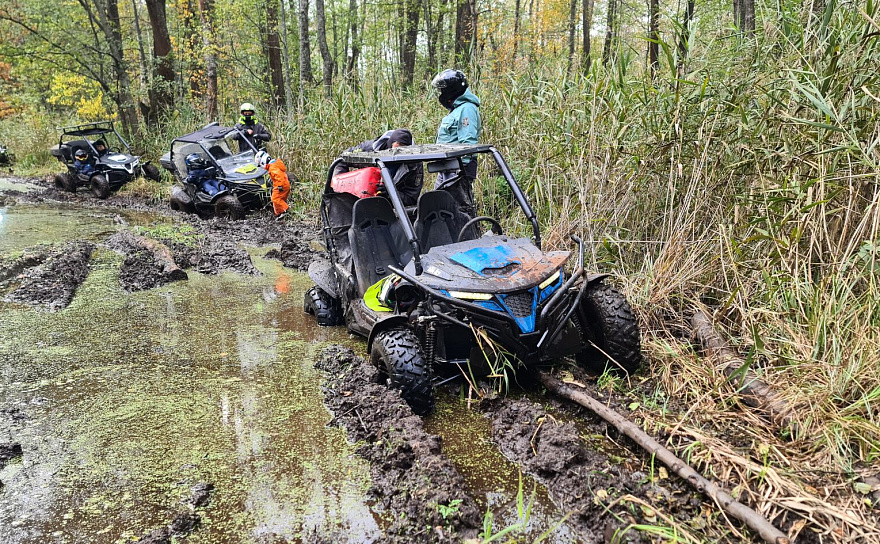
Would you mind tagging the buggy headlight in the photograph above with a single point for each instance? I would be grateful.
(549, 281)
(470, 296)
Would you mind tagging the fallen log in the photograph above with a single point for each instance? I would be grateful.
(752, 519)
(160, 252)
(754, 391)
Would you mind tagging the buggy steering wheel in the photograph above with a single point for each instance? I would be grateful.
(496, 228)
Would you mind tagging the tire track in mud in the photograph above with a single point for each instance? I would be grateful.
(410, 474)
(49, 278)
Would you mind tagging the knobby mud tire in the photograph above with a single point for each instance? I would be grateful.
(398, 352)
(180, 200)
(229, 207)
(99, 186)
(325, 308)
(65, 182)
(606, 319)
(151, 171)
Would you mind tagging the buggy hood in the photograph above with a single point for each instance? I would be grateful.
(491, 264)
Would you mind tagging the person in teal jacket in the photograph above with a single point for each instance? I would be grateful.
(462, 125)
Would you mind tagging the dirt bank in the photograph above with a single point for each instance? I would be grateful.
(412, 478)
(48, 277)
(605, 491)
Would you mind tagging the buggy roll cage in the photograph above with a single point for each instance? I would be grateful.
(91, 129)
(440, 157)
(211, 131)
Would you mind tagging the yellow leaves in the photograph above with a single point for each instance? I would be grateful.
(78, 92)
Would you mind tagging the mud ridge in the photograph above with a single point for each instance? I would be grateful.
(141, 270)
(294, 253)
(53, 282)
(410, 473)
(583, 481)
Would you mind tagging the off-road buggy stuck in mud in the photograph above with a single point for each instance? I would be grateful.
(244, 186)
(422, 292)
(114, 165)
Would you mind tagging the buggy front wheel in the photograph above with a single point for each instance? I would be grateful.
(398, 353)
(100, 186)
(229, 207)
(609, 332)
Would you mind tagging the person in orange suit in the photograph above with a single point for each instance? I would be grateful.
(280, 183)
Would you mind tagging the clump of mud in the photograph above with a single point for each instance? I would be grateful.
(49, 276)
(214, 256)
(184, 522)
(294, 253)
(410, 474)
(591, 484)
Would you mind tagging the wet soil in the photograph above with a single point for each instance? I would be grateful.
(49, 277)
(411, 477)
(595, 485)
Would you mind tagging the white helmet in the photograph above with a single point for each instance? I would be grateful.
(262, 158)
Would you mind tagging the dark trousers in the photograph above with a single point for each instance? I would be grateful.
(462, 190)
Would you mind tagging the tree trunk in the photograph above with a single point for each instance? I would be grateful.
(273, 50)
(654, 37)
(609, 32)
(326, 58)
(684, 39)
(351, 64)
(142, 54)
(587, 18)
(206, 15)
(465, 28)
(122, 94)
(744, 15)
(408, 42)
(305, 54)
(163, 83)
(285, 54)
(572, 20)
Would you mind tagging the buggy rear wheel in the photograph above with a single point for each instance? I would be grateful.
(609, 332)
(65, 182)
(151, 171)
(325, 308)
(100, 186)
(229, 207)
(398, 353)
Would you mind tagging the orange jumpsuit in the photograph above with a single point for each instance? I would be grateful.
(281, 186)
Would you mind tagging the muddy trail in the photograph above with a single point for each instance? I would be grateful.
(161, 383)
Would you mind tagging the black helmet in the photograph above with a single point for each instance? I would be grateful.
(81, 154)
(194, 160)
(449, 85)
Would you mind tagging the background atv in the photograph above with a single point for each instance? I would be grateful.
(114, 168)
(246, 185)
(418, 292)
(6, 156)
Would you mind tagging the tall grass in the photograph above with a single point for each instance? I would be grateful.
(747, 181)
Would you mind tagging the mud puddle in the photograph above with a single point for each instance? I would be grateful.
(123, 403)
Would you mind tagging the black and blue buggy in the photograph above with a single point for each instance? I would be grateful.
(225, 150)
(428, 293)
